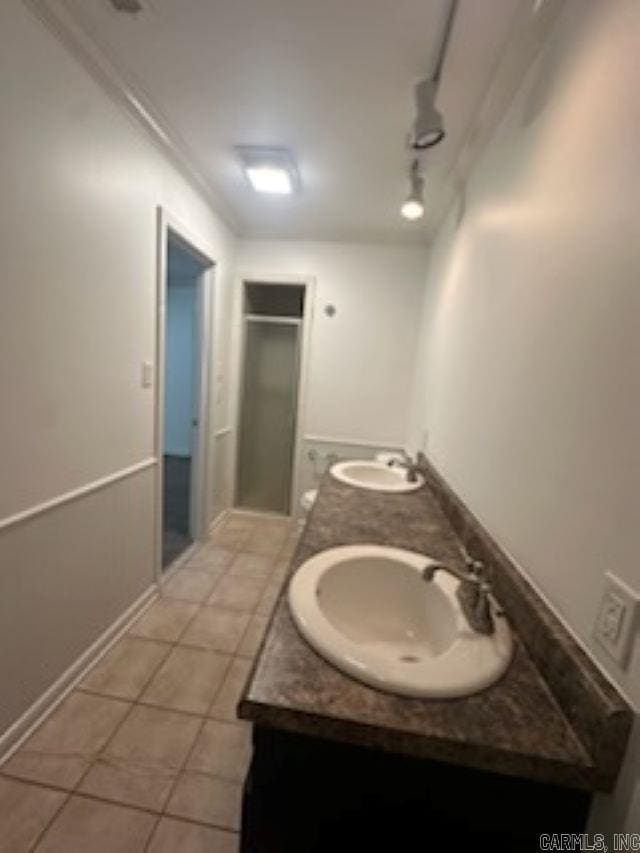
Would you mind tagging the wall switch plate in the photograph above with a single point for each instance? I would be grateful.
(617, 621)
(146, 374)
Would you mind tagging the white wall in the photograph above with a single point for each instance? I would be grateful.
(528, 375)
(180, 358)
(80, 183)
(361, 360)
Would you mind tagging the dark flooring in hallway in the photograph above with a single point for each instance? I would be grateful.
(175, 520)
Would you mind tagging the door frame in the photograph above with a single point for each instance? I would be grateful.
(169, 227)
(308, 282)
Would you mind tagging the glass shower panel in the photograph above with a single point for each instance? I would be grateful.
(268, 414)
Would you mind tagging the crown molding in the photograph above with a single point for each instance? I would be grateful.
(119, 84)
(531, 25)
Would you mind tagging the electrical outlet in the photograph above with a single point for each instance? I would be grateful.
(616, 624)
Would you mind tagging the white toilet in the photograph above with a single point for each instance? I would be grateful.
(308, 499)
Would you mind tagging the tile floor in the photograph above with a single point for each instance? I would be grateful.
(147, 754)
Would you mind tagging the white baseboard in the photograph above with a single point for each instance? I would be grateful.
(16, 734)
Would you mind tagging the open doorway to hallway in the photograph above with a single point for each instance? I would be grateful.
(182, 397)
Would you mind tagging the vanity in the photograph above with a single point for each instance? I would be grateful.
(339, 764)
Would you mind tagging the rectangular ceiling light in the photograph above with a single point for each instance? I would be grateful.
(269, 170)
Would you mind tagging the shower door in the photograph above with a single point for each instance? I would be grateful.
(268, 413)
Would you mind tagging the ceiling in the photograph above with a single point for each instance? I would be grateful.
(332, 81)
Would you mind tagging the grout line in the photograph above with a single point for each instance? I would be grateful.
(158, 815)
(152, 833)
(229, 652)
(51, 821)
(138, 702)
(182, 767)
(133, 704)
(188, 623)
(179, 819)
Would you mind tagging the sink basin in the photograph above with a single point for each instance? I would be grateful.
(366, 474)
(367, 610)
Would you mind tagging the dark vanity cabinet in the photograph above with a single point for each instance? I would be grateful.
(310, 795)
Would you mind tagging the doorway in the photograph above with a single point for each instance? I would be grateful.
(273, 317)
(182, 396)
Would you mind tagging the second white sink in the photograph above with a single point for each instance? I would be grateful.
(367, 474)
(368, 610)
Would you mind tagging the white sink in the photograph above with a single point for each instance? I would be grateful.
(366, 474)
(367, 610)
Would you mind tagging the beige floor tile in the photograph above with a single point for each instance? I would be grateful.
(218, 629)
(252, 566)
(177, 836)
(281, 570)
(60, 751)
(222, 749)
(211, 558)
(252, 638)
(89, 826)
(266, 539)
(153, 738)
(188, 680)
(207, 799)
(282, 524)
(239, 521)
(132, 784)
(25, 810)
(237, 593)
(225, 704)
(189, 585)
(165, 620)
(288, 549)
(125, 670)
(230, 540)
(269, 598)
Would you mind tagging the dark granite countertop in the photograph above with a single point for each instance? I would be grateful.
(514, 727)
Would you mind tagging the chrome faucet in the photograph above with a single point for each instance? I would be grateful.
(472, 593)
(413, 467)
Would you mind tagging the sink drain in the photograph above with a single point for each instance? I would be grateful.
(409, 659)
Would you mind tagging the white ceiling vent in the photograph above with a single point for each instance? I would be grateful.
(131, 6)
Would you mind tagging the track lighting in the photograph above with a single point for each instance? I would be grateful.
(428, 127)
(413, 208)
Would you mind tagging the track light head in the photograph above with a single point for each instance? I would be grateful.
(428, 127)
(413, 207)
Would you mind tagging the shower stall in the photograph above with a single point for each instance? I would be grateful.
(272, 338)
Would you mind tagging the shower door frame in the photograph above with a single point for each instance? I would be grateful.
(307, 282)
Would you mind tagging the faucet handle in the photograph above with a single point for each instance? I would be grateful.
(478, 569)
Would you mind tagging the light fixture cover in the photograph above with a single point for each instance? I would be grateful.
(269, 170)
